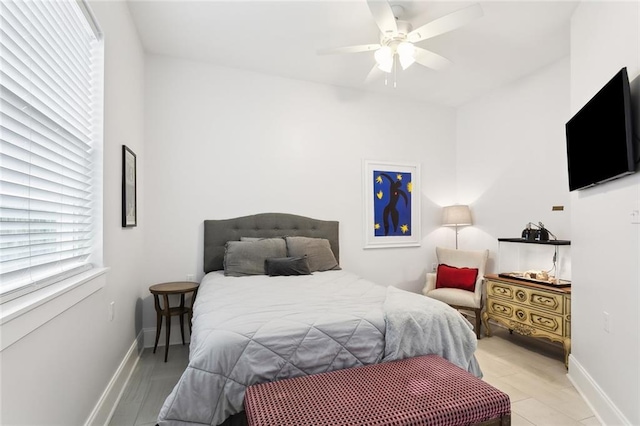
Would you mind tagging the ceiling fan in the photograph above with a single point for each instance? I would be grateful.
(398, 38)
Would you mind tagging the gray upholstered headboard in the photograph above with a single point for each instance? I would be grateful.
(265, 225)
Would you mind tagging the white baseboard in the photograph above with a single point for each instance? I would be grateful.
(174, 338)
(601, 405)
(104, 409)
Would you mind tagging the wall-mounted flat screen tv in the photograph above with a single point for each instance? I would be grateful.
(600, 143)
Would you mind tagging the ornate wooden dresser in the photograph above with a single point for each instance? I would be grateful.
(530, 309)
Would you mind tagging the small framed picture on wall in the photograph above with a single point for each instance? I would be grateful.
(129, 196)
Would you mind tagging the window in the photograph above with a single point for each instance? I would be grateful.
(50, 134)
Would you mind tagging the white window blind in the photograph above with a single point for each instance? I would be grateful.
(49, 124)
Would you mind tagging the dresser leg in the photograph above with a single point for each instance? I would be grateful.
(567, 350)
(485, 321)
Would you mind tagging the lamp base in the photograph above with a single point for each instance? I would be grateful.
(456, 237)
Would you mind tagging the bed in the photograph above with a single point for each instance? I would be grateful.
(257, 328)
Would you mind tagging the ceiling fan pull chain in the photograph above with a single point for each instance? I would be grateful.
(395, 70)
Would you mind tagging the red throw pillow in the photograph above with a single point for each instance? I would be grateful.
(452, 277)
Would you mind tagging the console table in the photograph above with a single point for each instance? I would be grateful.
(530, 309)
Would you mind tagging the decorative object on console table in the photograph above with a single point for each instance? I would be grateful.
(392, 212)
(165, 290)
(129, 189)
(457, 215)
(539, 234)
(542, 234)
(528, 233)
(535, 274)
(530, 309)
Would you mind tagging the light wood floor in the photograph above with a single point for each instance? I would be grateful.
(531, 371)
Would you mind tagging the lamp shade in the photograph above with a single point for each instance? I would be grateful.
(384, 58)
(406, 53)
(456, 216)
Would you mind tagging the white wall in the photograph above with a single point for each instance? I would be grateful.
(223, 143)
(606, 246)
(511, 162)
(57, 373)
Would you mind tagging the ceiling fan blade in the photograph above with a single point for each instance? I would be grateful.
(374, 74)
(383, 15)
(350, 49)
(430, 59)
(446, 23)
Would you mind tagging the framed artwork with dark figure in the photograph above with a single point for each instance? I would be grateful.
(392, 204)
(129, 203)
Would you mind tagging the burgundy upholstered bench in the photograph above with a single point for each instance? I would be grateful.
(425, 390)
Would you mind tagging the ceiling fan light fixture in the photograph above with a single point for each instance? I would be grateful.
(406, 53)
(386, 67)
(384, 58)
(397, 37)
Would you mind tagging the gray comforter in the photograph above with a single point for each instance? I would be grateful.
(257, 329)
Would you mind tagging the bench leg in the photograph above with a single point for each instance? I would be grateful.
(504, 420)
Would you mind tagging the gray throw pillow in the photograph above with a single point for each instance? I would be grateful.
(277, 266)
(247, 257)
(317, 250)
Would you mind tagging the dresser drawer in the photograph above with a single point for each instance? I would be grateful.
(523, 315)
(544, 300)
(497, 289)
(533, 297)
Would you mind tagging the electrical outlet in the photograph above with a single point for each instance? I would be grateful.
(191, 277)
(434, 266)
(606, 321)
(112, 309)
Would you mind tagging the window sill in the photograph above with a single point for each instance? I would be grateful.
(25, 314)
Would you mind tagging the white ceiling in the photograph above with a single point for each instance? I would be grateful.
(511, 40)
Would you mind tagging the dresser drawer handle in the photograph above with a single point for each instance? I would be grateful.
(500, 290)
(546, 321)
(544, 300)
(500, 309)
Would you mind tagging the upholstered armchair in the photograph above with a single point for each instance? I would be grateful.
(456, 282)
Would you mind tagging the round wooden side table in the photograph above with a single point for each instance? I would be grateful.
(165, 290)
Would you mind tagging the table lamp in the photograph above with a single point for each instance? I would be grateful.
(457, 215)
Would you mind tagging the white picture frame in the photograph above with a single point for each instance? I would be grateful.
(391, 192)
